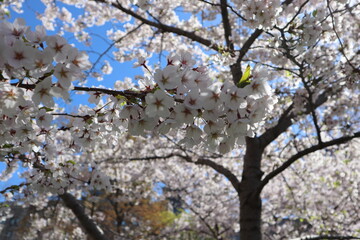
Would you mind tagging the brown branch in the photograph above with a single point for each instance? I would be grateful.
(72, 203)
(230, 7)
(296, 14)
(125, 93)
(303, 153)
(13, 187)
(87, 223)
(285, 121)
(226, 24)
(164, 27)
(201, 161)
(312, 109)
(218, 168)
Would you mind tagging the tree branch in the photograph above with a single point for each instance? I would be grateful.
(201, 161)
(111, 45)
(222, 170)
(13, 188)
(303, 153)
(88, 224)
(230, 7)
(226, 24)
(125, 93)
(285, 121)
(164, 27)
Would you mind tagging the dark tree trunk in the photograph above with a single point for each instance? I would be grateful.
(250, 202)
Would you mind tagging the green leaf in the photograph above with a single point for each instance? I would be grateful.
(245, 79)
(314, 13)
(347, 161)
(288, 74)
(337, 184)
(71, 161)
(7, 145)
(120, 97)
(47, 109)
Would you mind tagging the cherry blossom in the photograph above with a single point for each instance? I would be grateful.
(245, 124)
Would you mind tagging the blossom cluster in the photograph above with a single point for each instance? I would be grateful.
(36, 68)
(216, 114)
(260, 14)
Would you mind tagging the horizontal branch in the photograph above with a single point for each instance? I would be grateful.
(125, 93)
(201, 161)
(303, 153)
(13, 187)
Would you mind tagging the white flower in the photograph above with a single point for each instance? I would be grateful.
(15, 29)
(167, 78)
(59, 46)
(79, 60)
(59, 91)
(234, 98)
(8, 196)
(141, 62)
(226, 145)
(10, 98)
(138, 127)
(106, 68)
(192, 99)
(41, 63)
(20, 55)
(42, 93)
(95, 97)
(186, 59)
(146, 83)
(43, 119)
(194, 133)
(214, 126)
(158, 104)
(131, 112)
(210, 97)
(38, 36)
(184, 114)
(64, 74)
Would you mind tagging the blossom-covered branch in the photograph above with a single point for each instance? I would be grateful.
(300, 154)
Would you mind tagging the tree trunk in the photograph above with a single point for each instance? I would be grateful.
(250, 202)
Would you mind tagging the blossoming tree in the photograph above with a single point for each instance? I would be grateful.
(253, 94)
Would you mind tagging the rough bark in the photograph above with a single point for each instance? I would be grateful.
(250, 202)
